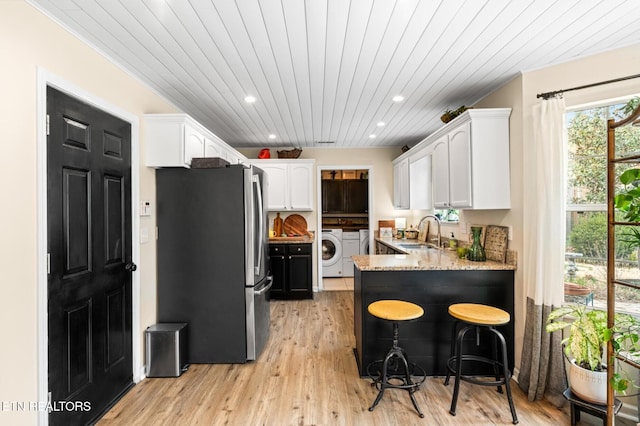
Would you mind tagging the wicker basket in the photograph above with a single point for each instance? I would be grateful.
(292, 153)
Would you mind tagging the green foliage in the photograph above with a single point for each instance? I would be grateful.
(587, 135)
(587, 140)
(589, 335)
(628, 198)
(589, 236)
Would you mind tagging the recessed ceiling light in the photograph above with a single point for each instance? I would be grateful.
(372, 136)
(380, 123)
(272, 136)
(250, 99)
(398, 98)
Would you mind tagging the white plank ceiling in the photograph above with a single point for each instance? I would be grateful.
(327, 70)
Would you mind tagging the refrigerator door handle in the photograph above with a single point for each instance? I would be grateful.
(266, 288)
(258, 188)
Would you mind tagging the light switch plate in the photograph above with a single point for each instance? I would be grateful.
(145, 208)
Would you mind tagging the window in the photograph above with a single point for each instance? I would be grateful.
(586, 212)
(448, 215)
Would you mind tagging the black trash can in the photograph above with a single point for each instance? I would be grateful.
(166, 349)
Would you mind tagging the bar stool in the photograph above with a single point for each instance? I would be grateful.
(475, 316)
(395, 366)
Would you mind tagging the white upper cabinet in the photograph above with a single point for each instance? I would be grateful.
(212, 148)
(470, 161)
(401, 183)
(440, 163)
(174, 139)
(301, 186)
(460, 167)
(290, 184)
(420, 192)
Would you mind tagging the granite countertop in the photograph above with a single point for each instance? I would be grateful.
(422, 259)
(299, 239)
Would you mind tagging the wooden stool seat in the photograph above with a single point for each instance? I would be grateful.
(479, 314)
(395, 371)
(395, 310)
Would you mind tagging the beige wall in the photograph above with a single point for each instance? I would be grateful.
(29, 40)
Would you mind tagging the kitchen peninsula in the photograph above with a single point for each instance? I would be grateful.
(434, 279)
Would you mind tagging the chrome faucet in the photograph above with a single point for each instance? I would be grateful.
(437, 221)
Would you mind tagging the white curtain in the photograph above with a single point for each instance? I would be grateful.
(541, 370)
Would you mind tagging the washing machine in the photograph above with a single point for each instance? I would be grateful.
(364, 241)
(331, 253)
(350, 247)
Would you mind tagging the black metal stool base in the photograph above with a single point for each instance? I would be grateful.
(395, 372)
(395, 367)
(501, 370)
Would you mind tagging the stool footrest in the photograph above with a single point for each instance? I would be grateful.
(417, 373)
(473, 379)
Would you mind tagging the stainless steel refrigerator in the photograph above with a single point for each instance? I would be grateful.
(212, 260)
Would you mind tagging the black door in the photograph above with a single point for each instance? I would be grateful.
(89, 244)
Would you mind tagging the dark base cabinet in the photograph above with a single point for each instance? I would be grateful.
(291, 269)
(427, 340)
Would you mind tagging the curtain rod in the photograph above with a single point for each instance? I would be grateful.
(548, 95)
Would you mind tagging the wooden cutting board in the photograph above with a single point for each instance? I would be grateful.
(295, 224)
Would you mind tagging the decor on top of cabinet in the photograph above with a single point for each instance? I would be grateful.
(208, 162)
(264, 154)
(292, 153)
(450, 115)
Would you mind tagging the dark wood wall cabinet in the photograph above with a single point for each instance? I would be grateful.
(345, 196)
(291, 266)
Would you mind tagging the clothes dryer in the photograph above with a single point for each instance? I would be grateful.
(350, 247)
(364, 242)
(331, 253)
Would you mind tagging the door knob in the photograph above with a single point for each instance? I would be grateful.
(130, 267)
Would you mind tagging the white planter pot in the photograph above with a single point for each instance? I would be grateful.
(588, 385)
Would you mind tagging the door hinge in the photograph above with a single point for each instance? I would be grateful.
(47, 124)
(48, 263)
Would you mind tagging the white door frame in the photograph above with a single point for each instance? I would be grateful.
(369, 169)
(45, 79)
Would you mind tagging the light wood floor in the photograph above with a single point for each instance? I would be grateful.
(307, 375)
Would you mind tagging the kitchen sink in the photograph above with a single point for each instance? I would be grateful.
(414, 246)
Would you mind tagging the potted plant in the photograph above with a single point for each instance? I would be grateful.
(585, 348)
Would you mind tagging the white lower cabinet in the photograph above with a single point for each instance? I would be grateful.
(290, 184)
